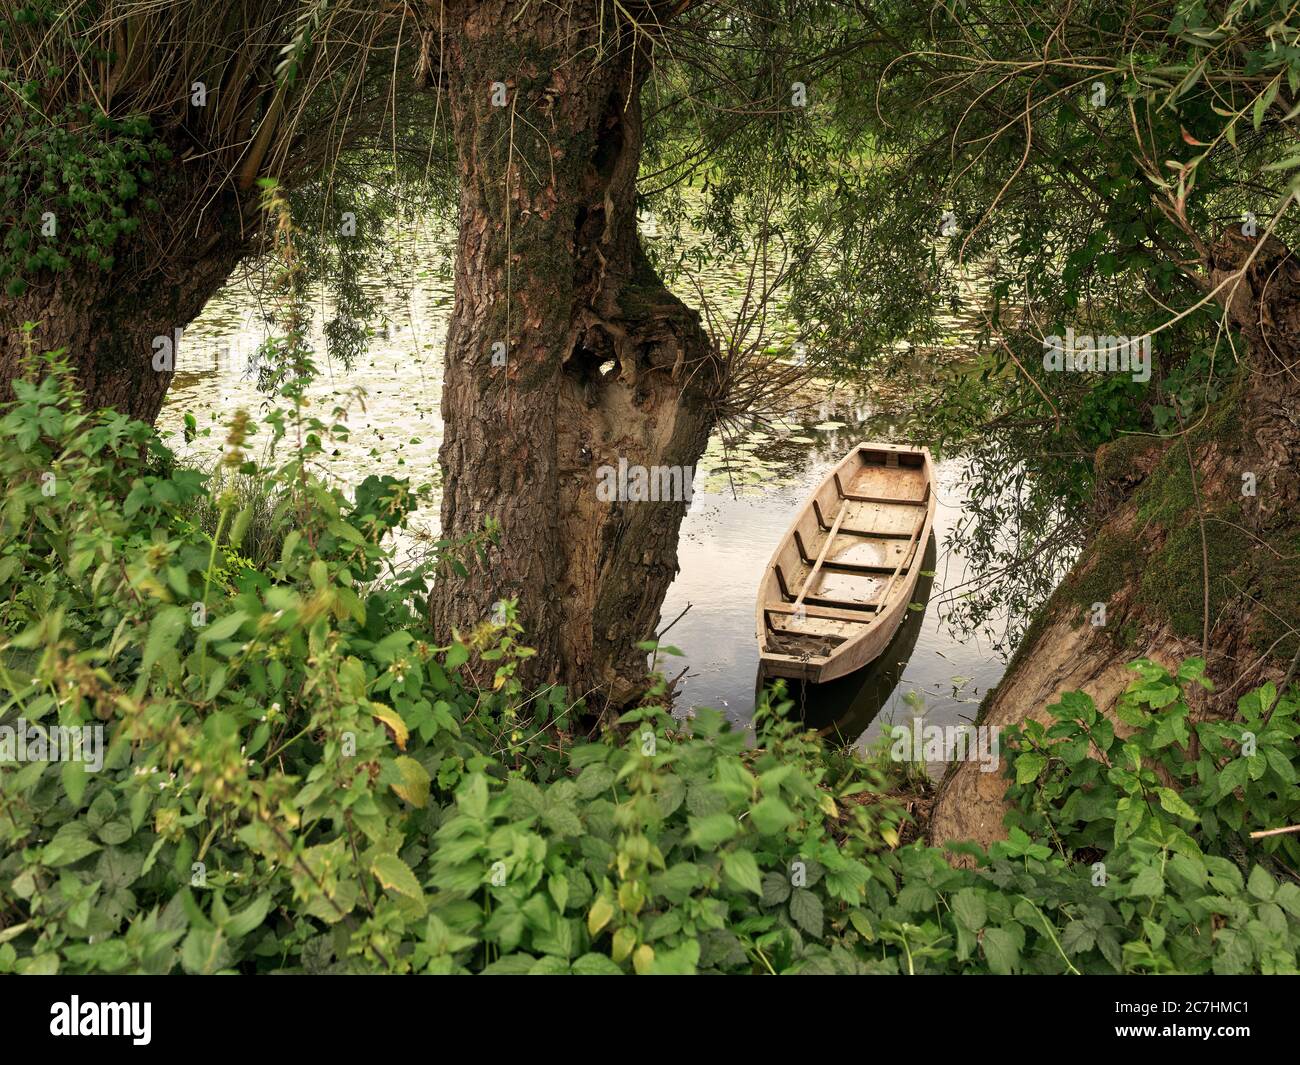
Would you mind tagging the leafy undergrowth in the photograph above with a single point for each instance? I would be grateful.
(297, 778)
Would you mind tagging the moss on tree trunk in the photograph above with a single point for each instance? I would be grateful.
(1166, 597)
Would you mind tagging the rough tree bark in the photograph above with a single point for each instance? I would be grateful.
(162, 275)
(1146, 562)
(601, 361)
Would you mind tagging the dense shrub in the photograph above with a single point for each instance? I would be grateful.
(298, 779)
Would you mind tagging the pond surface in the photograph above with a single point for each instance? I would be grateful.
(738, 514)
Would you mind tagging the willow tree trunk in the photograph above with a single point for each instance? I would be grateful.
(1197, 551)
(566, 354)
(107, 320)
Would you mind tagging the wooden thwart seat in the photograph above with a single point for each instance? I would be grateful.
(826, 613)
(888, 500)
(850, 567)
(820, 600)
(846, 531)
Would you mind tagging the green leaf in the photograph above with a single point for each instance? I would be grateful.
(680, 961)
(164, 634)
(862, 925)
(551, 965)
(1288, 897)
(1233, 775)
(205, 951)
(1173, 803)
(770, 816)
(114, 832)
(240, 525)
(1001, 950)
(1260, 884)
(1191, 869)
(223, 628)
(290, 545)
(395, 875)
(1224, 875)
(741, 867)
(74, 781)
(71, 843)
(806, 912)
(594, 779)
(1159, 696)
(215, 683)
(511, 965)
(776, 888)
(709, 832)
(414, 786)
(677, 881)
(1255, 703)
(1029, 766)
(1264, 101)
(596, 965)
(600, 914)
(1233, 953)
(558, 888)
(969, 909)
(1148, 882)
(249, 918)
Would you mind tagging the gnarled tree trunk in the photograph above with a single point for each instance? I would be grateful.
(1147, 564)
(566, 353)
(162, 275)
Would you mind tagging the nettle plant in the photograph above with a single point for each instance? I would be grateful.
(235, 699)
(1164, 814)
(297, 777)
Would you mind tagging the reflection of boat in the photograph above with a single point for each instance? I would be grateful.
(838, 585)
(843, 709)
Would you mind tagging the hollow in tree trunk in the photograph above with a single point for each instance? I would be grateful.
(566, 353)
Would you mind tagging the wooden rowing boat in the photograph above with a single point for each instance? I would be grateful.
(839, 583)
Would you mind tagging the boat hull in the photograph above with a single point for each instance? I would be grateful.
(840, 581)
